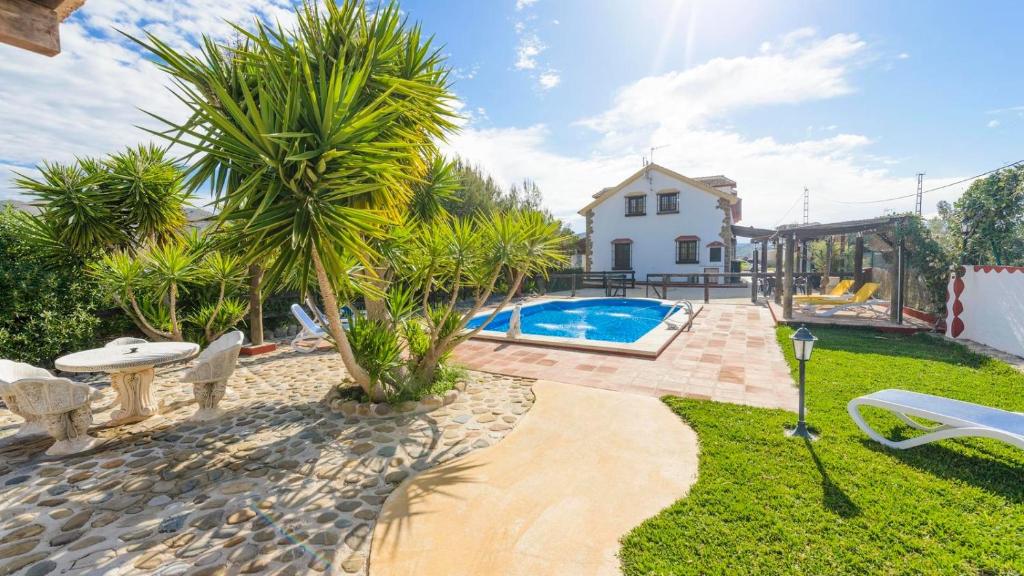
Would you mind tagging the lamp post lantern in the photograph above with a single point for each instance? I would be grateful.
(803, 344)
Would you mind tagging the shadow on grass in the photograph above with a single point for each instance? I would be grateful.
(989, 470)
(833, 496)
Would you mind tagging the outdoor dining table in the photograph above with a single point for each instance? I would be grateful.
(131, 370)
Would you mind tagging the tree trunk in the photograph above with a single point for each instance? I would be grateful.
(376, 308)
(428, 364)
(173, 302)
(255, 305)
(361, 377)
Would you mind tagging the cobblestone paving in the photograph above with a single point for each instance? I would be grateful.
(280, 485)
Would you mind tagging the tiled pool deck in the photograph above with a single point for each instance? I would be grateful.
(730, 355)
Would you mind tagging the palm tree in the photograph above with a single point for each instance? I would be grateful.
(122, 202)
(312, 137)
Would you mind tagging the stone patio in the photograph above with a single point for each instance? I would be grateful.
(730, 355)
(280, 485)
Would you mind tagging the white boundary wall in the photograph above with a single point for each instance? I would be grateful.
(987, 306)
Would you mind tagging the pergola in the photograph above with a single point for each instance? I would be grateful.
(35, 24)
(787, 238)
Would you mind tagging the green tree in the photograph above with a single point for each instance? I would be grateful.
(178, 284)
(47, 308)
(121, 202)
(313, 137)
(990, 216)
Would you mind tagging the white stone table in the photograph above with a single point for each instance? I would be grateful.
(131, 371)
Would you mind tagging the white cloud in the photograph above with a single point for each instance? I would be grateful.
(903, 55)
(85, 101)
(687, 110)
(801, 68)
(993, 123)
(520, 4)
(549, 80)
(527, 50)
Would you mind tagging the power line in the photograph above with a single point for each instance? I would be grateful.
(793, 205)
(937, 188)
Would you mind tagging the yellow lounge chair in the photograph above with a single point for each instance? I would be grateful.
(837, 291)
(862, 299)
(862, 295)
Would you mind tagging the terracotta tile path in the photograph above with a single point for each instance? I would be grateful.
(730, 355)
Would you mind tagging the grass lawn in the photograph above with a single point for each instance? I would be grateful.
(767, 504)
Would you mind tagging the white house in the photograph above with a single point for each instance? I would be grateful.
(659, 221)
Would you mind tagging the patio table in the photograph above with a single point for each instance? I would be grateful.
(131, 370)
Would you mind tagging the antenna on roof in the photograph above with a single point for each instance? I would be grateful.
(653, 148)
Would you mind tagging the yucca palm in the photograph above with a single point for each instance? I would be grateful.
(473, 255)
(312, 137)
(121, 202)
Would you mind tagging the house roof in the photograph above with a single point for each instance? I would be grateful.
(696, 183)
(716, 180)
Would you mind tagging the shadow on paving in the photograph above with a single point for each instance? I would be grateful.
(312, 461)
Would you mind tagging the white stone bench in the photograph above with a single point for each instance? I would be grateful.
(11, 372)
(61, 405)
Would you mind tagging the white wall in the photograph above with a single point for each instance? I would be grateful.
(654, 235)
(991, 309)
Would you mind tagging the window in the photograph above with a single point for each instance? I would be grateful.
(686, 251)
(623, 255)
(668, 203)
(715, 254)
(636, 205)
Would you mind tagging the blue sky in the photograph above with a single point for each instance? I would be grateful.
(848, 99)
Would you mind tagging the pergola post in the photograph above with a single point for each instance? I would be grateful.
(753, 278)
(858, 264)
(896, 298)
(805, 266)
(826, 274)
(764, 261)
(778, 269)
(787, 281)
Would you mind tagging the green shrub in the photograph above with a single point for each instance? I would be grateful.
(46, 309)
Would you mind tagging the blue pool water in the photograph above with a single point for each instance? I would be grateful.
(607, 319)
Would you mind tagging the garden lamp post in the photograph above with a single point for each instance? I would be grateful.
(803, 343)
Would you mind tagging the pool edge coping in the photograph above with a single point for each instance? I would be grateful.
(650, 345)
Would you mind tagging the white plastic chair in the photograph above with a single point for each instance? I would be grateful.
(209, 377)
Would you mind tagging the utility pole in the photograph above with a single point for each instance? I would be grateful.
(920, 193)
(807, 211)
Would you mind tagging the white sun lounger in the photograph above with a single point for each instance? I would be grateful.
(310, 331)
(956, 418)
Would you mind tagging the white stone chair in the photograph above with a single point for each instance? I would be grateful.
(209, 377)
(125, 341)
(11, 372)
(62, 405)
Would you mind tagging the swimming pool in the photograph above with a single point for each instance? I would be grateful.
(623, 320)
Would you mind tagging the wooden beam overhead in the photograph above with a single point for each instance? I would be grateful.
(30, 26)
(35, 24)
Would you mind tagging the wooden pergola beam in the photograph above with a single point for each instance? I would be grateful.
(34, 25)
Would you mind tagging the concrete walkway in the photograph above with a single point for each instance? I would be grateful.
(582, 468)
